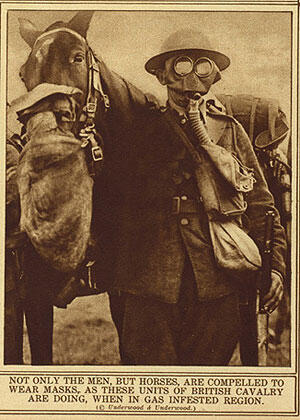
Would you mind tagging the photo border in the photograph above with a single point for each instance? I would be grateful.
(286, 372)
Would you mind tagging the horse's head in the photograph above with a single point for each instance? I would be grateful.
(57, 206)
(59, 55)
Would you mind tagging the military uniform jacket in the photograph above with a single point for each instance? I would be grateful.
(143, 244)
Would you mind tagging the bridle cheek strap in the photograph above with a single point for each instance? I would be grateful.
(94, 85)
(92, 141)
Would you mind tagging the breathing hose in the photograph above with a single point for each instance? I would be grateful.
(195, 120)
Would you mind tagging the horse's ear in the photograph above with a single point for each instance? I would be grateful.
(28, 31)
(81, 21)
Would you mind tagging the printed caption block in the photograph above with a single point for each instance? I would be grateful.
(148, 393)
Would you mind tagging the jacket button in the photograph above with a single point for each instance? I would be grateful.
(183, 121)
(183, 197)
(184, 221)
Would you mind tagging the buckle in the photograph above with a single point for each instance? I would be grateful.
(97, 153)
(176, 205)
(106, 101)
(91, 107)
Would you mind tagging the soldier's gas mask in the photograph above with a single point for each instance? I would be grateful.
(186, 75)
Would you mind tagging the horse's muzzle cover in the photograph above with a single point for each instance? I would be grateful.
(55, 193)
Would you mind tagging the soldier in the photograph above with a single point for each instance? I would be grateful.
(179, 305)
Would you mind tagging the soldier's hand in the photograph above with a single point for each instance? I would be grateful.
(280, 168)
(273, 297)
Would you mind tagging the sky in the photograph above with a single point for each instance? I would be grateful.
(258, 44)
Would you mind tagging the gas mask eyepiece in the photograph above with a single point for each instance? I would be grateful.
(184, 65)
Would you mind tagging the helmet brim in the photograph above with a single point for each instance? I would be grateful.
(157, 62)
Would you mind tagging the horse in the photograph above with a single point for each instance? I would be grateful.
(114, 108)
(43, 278)
(116, 112)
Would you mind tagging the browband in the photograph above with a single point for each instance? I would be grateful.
(53, 31)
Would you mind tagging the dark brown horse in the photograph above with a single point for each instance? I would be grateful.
(40, 209)
(110, 107)
(61, 57)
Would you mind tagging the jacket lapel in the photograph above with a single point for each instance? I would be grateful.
(215, 126)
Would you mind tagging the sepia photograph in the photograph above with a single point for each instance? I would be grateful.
(151, 225)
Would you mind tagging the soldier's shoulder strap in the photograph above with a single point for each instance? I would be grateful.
(17, 142)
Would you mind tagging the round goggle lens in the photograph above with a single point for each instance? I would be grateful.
(203, 67)
(183, 66)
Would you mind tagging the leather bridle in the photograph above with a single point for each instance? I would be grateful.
(91, 139)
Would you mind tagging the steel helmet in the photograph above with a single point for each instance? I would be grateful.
(182, 41)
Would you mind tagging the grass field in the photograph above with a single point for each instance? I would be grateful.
(84, 334)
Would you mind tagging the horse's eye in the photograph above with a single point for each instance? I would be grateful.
(78, 58)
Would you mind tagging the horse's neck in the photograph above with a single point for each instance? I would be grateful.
(126, 101)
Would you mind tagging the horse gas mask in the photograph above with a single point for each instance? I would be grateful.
(186, 75)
